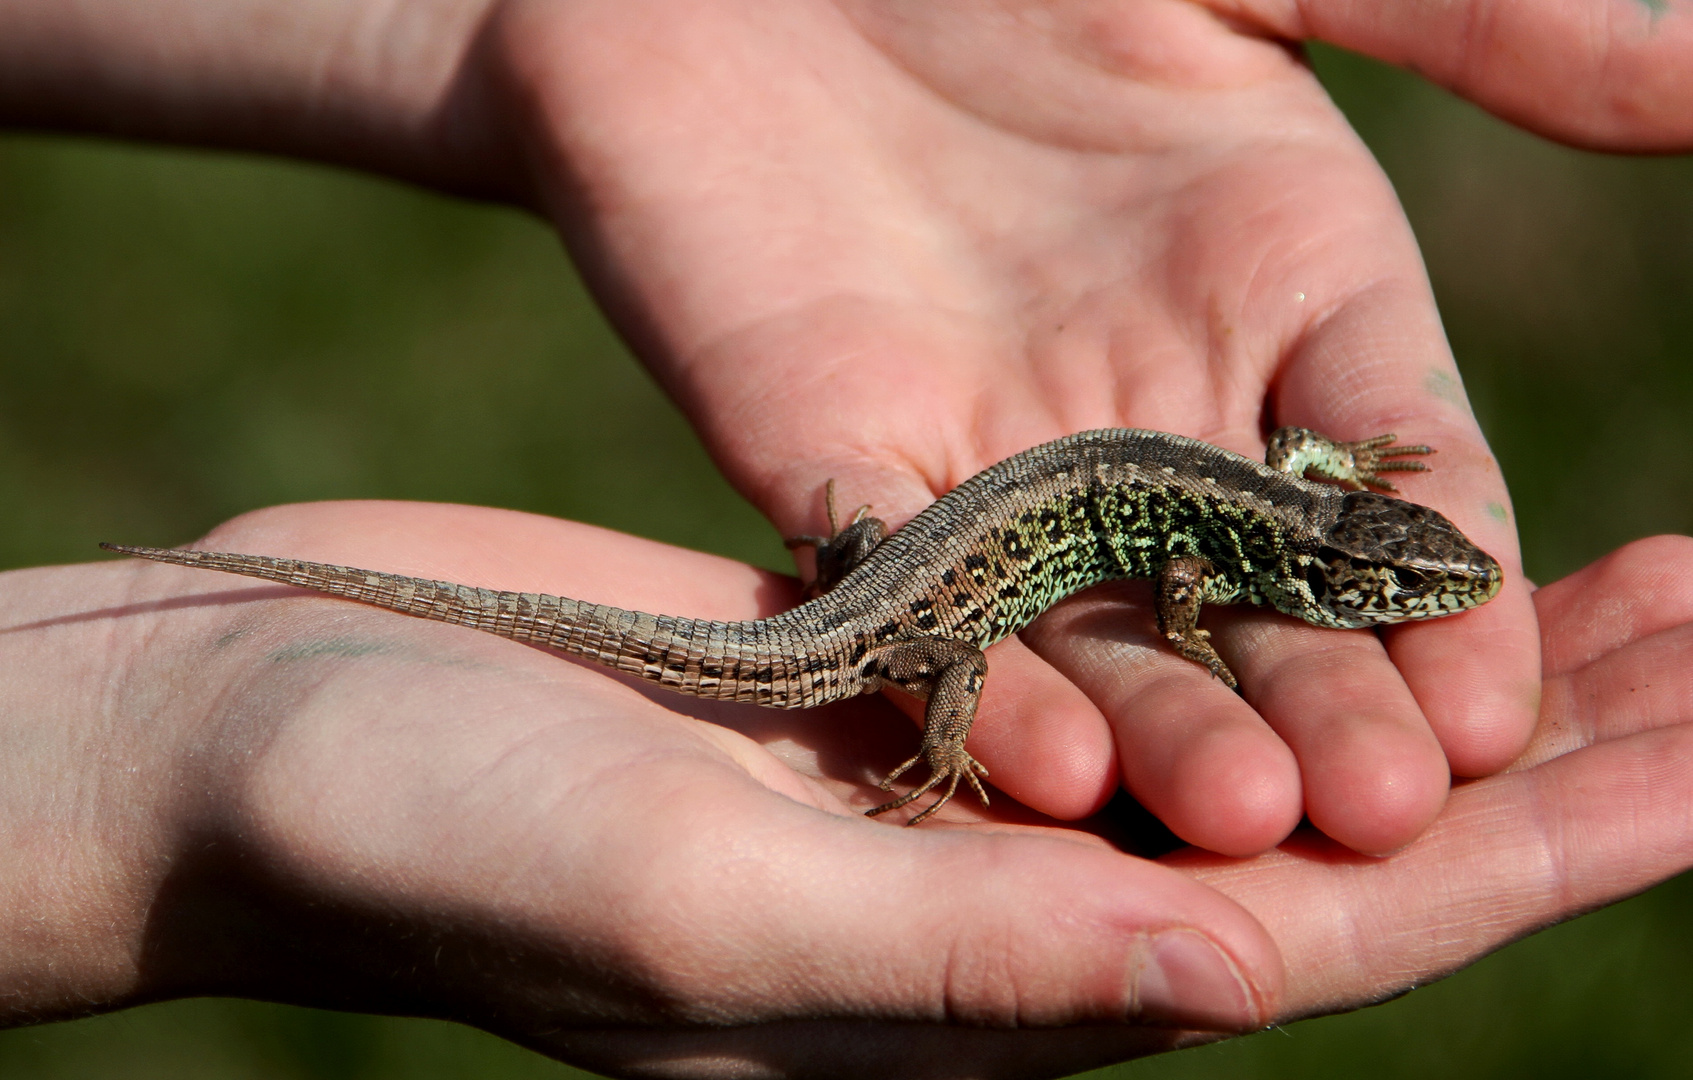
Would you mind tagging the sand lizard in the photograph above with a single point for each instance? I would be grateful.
(914, 610)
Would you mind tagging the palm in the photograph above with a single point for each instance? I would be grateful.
(892, 244)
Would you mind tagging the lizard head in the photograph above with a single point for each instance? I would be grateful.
(1386, 561)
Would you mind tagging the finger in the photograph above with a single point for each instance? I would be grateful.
(1372, 773)
(1633, 592)
(1588, 72)
(1642, 686)
(1379, 364)
(1345, 743)
(1043, 741)
(1618, 633)
(1191, 751)
(1468, 675)
(1512, 854)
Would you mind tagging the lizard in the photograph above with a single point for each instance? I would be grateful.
(913, 610)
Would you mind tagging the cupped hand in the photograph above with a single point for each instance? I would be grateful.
(254, 791)
(273, 794)
(890, 243)
(1593, 812)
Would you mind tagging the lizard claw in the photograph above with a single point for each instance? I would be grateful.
(954, 767)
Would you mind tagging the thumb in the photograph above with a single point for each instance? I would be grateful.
(805, 926)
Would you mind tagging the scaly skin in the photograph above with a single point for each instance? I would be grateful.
(915, 610)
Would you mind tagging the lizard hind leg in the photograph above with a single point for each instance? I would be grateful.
(839, 553)
(949, 673)
(1355, 465)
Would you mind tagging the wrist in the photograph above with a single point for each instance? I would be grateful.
(396, 88)
(85, 794)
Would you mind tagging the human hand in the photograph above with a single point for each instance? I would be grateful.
(212, 786)
(1593, 812)
(258, 792)
(892, 243)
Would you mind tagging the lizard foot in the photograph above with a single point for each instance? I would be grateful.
(1178, 593)
(1353, 465)
(945, 764)
(839, 553)
(1196, 645)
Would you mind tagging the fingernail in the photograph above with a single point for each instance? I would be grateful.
(1184, 979)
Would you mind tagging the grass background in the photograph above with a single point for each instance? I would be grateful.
(186, 336)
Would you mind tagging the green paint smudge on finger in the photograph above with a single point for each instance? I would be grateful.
(1444, 384)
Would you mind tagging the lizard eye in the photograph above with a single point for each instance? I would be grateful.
(1413, 582)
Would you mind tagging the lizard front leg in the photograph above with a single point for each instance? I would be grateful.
(949, 673)
(1180, 591)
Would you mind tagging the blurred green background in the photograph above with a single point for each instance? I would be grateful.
(185, 336)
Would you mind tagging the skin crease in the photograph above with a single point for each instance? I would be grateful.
(888, 243)
(301, 799)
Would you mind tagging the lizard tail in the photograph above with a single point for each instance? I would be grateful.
(705, 658)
